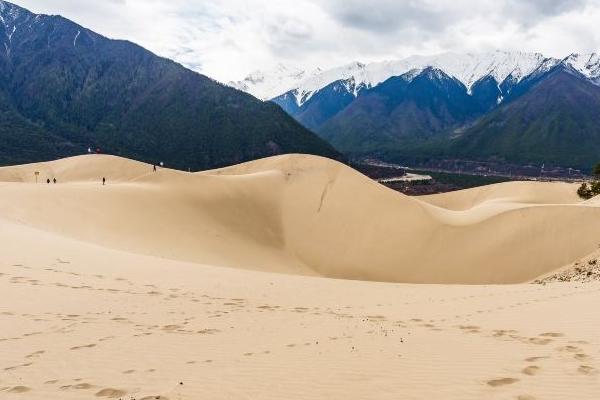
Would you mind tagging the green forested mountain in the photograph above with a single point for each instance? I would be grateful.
(504, 108)
(556, 120)
(64, 88)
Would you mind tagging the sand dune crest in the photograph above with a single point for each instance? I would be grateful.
(306, 215)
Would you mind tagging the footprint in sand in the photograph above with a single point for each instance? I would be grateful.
(208, 331)
(170, 328)
(586, 370)
(79, 386)
(83, 386)
(154, 398)
(534, 359)
(87, 346)
(19, 389)
(17, 366)
(552, 334)
(539, 341)
(469, 328)
(531, 370)
(570, 349)
(501, 382)
(111, 393)
(503, 332)
(581, 356)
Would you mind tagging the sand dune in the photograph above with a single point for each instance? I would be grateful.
(307, 215)
(81, 321)
(517, 192)
(116, 291)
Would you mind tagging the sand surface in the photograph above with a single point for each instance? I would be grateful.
(306, 215)
(168, 285)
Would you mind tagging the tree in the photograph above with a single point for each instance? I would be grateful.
(589, 190)
(585, 191)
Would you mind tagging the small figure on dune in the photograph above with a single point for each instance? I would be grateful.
(54, 181)
(103, 181)
(154, 166)
(48, 181)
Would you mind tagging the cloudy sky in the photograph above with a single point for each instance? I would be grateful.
(226, 39)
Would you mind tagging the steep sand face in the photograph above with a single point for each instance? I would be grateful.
(307, 215)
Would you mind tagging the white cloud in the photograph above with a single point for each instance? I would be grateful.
(226, 39)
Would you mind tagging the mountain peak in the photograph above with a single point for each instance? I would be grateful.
(586, 64)
(468, 68)
(278, 79)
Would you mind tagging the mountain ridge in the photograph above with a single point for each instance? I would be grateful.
(467, 67)
(64, 88)
(428, 113)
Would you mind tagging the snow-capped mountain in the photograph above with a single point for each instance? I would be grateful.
(520, 106)
(468, 68)
(262, 84)
(586, 64)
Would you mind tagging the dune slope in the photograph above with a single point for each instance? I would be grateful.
(305, 215)
(80, 321)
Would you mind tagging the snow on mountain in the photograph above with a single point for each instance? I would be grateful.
(268, 84)
(467, 68)
(586, 64)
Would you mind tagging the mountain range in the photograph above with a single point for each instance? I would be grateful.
(504, 106)
(64, 89)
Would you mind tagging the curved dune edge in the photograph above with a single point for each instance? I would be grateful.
(306, 215)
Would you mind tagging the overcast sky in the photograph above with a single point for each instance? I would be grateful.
(226, 39)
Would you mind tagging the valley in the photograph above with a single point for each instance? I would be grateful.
(499, 107)
(424, 225)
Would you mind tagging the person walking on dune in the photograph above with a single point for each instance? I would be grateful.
(103, 181)
(48, 181)
(54, 181)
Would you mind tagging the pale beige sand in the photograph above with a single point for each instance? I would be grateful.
(306, 215)
(106, 292)
(80, 321)
(509, 192)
